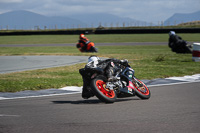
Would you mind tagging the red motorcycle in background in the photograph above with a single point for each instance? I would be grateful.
(84, 45)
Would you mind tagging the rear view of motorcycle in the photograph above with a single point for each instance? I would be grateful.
(126, 84)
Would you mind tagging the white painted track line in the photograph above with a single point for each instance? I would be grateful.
(76, 89)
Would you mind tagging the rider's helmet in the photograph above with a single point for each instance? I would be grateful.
(82, 36)
(172, 33)
(93, 58)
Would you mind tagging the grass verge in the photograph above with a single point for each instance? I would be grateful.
(102, 38)
(149, 62)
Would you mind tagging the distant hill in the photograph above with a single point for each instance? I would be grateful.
(178, 18)
(108, 20)
(28, 20)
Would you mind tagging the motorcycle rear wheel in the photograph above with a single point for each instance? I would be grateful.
(104, 94)
(142, 92)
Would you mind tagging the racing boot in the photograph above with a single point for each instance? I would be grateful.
(86, 93)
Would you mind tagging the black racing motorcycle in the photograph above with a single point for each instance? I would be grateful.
(125, 85)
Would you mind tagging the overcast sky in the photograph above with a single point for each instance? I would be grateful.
(145, 10)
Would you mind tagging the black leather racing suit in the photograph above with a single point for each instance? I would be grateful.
(110, 68)
(173, 40)
(178, 45)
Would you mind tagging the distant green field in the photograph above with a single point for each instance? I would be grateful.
(54, 39)
(149, 61)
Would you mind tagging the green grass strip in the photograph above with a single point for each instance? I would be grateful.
(149, 62)
(55, 39)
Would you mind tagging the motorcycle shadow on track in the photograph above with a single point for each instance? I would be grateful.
(93, 101)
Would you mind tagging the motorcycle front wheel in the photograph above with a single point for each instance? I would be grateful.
(142, 91)
(104, 94)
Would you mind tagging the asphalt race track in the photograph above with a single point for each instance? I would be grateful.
(173, 108)
(21, 63)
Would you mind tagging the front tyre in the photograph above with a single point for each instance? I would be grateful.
(104, 94)
(142, 91)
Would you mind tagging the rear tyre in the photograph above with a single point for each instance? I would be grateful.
(104, 94)
(142, 92)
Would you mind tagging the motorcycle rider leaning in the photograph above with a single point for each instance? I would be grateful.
(177, 44)
(110, 69)
(83, 42)
(173, 38)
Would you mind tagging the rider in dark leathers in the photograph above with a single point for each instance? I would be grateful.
(177, 44)
(110, 69)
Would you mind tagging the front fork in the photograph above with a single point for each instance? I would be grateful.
(132, 85)
(137, 83)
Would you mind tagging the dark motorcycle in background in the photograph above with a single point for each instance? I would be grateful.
(126, 84)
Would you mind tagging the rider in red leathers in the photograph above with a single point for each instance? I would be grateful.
(84, 45)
